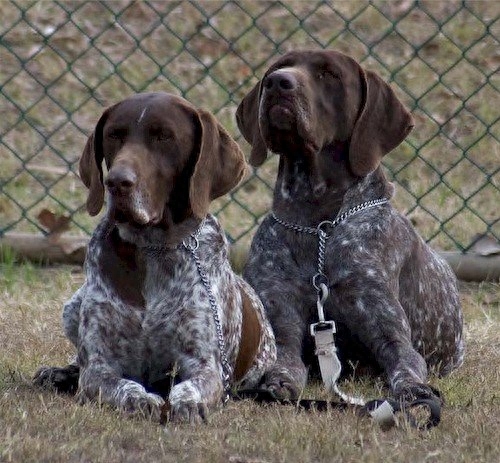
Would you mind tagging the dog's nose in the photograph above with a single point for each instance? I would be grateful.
(121, 180)
(280, 80)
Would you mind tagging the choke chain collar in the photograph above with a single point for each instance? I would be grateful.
(191, 244)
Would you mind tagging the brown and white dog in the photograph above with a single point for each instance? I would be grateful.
(394, 300)
(144, 323)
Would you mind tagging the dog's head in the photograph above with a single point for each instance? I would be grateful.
(166, 161)
(308, 100)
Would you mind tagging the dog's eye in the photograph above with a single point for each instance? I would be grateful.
(117, 133)
(164, 137)
(324, 74)
(158, 135)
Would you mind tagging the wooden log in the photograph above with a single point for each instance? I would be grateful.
(67, 249)
(474, 267)
(467, 267)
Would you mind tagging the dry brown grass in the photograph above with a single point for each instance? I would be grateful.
(40, 426)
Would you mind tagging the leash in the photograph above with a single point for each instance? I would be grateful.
(383, 411)
(323, 330)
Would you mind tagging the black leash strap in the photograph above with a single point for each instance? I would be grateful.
(432, 407)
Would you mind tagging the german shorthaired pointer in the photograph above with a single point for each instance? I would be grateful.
(161, 312)
(393, 299)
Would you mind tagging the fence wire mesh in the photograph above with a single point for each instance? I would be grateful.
(63, 62)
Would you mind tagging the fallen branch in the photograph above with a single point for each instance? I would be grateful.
(71, 250)
(467, 267)
(474, 267)
(66, 249)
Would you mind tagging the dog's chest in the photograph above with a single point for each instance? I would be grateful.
(122, 270)
(154, 301)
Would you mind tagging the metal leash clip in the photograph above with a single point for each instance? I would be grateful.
(326, 327)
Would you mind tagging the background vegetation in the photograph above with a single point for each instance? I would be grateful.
(63, 62)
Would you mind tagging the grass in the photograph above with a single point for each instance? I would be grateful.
(40, 426)
(63, 62)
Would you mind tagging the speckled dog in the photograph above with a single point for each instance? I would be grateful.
(394, 300)
(160, 304)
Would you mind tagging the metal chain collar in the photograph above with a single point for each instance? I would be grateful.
(191, 244)
(320, 280)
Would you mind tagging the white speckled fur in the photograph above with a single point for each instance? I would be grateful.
(142, 323)
(174, 331)
(394, 300)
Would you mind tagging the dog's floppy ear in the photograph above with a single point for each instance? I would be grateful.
(382, 125)
(219, 168)
(247, 118)
(90, 167)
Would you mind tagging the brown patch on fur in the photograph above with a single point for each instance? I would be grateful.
(251, 333)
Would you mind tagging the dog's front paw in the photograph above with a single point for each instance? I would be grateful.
(60, 379)
(186, 405)
(282, 384)
(133, 399)
(414, 391)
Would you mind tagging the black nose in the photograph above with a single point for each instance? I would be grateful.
(280, 80)
(121, 179)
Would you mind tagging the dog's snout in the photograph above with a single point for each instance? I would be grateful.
(280, 80)
(121, 179)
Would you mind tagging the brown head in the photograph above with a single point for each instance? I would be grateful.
(166, 161)
(309, 100)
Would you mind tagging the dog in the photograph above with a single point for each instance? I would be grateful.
(394, 301)
(161, 320)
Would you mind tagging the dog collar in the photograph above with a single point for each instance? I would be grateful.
(191, 244)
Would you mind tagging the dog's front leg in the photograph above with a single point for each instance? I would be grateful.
(198, 368)
(288, 376)
(99, 382)
(109, 350)
(381, 325)
(65, 379)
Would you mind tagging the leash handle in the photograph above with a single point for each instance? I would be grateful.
(383, 411)
(378, 409)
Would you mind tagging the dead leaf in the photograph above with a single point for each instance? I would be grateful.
(55, 224)
(52, 222)
(485, 245)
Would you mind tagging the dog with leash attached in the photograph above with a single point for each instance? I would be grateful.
(161, 322)
(334, 255)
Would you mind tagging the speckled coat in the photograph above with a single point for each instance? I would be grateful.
(128, 346)
(394, 300)
(144, 323)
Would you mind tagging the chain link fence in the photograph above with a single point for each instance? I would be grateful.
(63, 62)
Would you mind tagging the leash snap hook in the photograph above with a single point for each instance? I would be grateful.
(319, 281)
(323, 293)
(324, 326)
